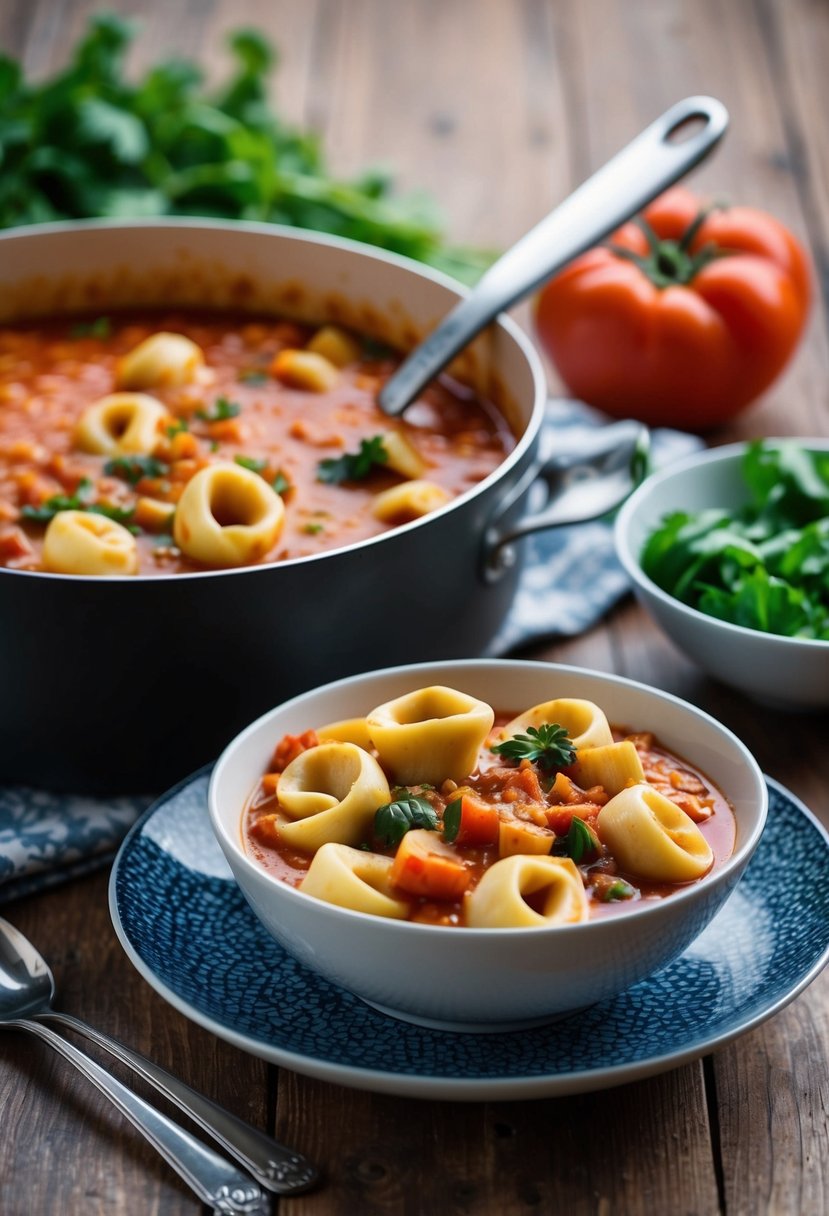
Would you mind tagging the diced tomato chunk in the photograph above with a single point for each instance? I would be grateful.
(479, 822)
(291, 746)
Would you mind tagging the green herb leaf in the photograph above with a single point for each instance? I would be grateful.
(615, 891)
(250, 462)
(580, 844)
(548, 745)
(452, 820)
(81, 500)
(133, 468)
(101, 327)
(254, 377)
(222, 410)
(393, 820)
(177, 427)
(281, 484)
(354, 466)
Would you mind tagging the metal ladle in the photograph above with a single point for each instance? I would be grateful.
(655, 160)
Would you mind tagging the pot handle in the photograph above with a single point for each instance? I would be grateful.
(608, 467)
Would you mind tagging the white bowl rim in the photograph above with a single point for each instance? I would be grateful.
(307, 236)
(736, 861)
(631, 563)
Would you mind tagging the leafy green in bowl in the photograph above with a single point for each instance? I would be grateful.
(764, 565)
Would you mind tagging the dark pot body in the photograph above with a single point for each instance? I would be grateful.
(125, 685)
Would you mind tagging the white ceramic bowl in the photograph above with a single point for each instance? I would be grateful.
(488, 978)
(788, 673)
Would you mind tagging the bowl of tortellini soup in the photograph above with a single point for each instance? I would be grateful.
(482, 844)
(203, 509)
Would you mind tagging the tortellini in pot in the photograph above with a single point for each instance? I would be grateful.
(330, 793)
(430, 734)
(352, 878)
(163, 360)
(411, 500)
(650, 836)
(82, 542)
(347, 730)
(120, 424)
(500, 899)
(584, 721)
(227, 516)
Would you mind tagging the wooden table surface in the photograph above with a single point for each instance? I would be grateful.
(498, 109)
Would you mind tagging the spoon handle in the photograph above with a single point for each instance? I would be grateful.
(649, 164)
(282, 1170)
(215, 1181)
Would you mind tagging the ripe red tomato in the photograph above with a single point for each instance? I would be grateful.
(683, 318)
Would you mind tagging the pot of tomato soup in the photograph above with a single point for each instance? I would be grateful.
(202, 509)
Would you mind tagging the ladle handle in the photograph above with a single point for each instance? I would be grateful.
(621, 188)
(216, 1182)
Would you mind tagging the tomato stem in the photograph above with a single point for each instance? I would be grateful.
(668, 262)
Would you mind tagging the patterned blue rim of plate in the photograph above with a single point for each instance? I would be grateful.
(187, 928)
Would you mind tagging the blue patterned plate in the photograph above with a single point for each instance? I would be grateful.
(185, 925)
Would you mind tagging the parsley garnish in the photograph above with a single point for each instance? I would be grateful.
(250, 462)
(354, 466)
(548, 745)
(313, 529)
(253, 377)
(81, 500)
(281, 484)
(222, 410)
(133, 468)
(177, 427)
(101, 327)
(393, 820)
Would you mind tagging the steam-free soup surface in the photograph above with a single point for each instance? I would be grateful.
(238, 409)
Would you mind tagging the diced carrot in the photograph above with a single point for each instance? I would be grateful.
(228, 430)
(565, 790)
(478, 822)
(266, 830)
(560, 818)
(269, 783)
(14, 544)
(291, 746)
(424, 865)
(183, 445)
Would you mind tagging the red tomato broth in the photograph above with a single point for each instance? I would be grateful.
(496, 782)
(48, 377)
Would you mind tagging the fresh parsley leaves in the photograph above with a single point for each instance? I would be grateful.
(134, 468)
(548, 745)
(89, 141)
(251, 463)
(223, 409)
(81, 500)
(354, 466)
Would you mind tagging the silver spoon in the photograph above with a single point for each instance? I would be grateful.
(27, 989)
(657, 158)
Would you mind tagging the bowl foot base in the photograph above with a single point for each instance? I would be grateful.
(473, 1027)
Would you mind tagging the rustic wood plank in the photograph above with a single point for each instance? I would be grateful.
(61, 1138)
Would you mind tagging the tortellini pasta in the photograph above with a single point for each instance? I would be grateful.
(651, 836)
(83, 542)
(500, 898)
(430, 734)
(227, 516)
(120, 424)
(163, 360)
(348, 730)
(612, 765)
(330, 793)
(411, 500)
(584, 722)
(354, 879)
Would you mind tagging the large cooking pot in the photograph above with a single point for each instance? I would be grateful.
(126, 684)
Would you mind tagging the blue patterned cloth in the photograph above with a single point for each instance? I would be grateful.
(571, 579)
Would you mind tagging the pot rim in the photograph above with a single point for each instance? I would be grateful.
(305, 236)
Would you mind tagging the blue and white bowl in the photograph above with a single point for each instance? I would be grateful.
(488, 979)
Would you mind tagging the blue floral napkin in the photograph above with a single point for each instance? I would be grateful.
(571, 579)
